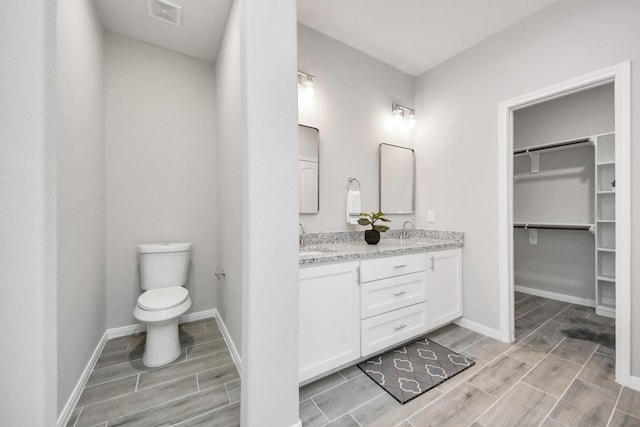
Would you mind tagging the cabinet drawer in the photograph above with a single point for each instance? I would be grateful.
(381, 268)
(380, 296)
(386, 330)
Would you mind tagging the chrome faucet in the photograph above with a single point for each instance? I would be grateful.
(301, 234)
(405, 232)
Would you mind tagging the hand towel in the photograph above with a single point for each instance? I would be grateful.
(354, 207)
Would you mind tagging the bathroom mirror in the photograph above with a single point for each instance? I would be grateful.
(397, 179)
(308, 165)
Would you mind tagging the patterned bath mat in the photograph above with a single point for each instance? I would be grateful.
(408, 371)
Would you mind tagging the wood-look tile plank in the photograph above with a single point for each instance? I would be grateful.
(537, 345)
(462, 376)
(138, 401)
(189, 340)
(227, 416)
(310, 415)
(460, 407)
(585, 404)
(550, 422)
(552, 375)
(183, 369)
(212, 325)
(611, 352)
(522, 406)
(217, 376)
(206, 348)
(528, 304)
(234, 390)
(601, 370)
(575, 350)
(321, 385)
(487, 348)
(519, 296)
(114, 372)
(344, 421)
(497, 377)
(385, 411)
(458, 339)
(351, 372)
(98, 393)
(193, 328)
(629, 402)
(74, 417)
(546, 311)
(176, 411)
(443, 330)
(116, 344)
(620, 419)
(524, 327)
(343, 398)
(115, 357)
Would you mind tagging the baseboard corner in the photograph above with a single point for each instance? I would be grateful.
(479, 328)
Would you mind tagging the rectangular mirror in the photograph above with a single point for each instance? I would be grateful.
(308, 166)
(397, 179)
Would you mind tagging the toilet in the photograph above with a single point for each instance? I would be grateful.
(164, 268)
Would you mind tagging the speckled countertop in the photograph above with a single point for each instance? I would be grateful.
(320, 248)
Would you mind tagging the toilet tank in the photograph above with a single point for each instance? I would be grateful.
(164, 264)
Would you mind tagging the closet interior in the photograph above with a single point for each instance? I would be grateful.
(564, 200)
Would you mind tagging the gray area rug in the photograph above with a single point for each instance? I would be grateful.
(407, 372)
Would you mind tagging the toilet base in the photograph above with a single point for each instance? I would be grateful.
(162, 345)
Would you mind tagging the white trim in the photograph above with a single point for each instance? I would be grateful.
(620, 74)
(634, 383)
(230, 344)
(298, 424)
(66, 412)
(141, 327)
(477, 327)
(555, 295)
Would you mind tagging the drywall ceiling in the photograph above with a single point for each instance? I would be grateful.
(203, 23)
(414, 35)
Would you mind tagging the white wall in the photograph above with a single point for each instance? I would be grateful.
(230, 171)
(459, 99)
(351, 108)
(28, 220)
(160, 167)
(81, 191)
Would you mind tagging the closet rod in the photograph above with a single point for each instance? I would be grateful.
(586, 227)
(551, 145)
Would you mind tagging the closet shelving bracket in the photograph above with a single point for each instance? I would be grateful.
(534, 151)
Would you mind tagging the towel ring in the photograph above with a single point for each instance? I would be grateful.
(350, 180)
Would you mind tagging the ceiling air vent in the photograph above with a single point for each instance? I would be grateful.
(165, 11)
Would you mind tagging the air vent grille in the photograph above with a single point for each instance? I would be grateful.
(165, 11)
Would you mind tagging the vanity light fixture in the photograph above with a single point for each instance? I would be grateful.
(399, 113)
(306, 84)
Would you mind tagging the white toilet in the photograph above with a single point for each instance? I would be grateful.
(164, 268)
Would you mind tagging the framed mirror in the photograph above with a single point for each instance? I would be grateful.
(308, 167)
(397, 179)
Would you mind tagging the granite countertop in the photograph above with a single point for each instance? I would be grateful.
(323, 248)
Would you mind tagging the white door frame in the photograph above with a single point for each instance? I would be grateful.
(620, 75)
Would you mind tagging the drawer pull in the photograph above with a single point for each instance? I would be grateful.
(402, 326)
(397, 294)
(400, 266)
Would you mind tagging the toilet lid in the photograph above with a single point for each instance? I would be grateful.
(162, 298)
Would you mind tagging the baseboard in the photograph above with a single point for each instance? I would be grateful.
(140, 327)
(556, 296)
(479, 328)
(634, 383)
(227, 339)
(298, 424)
(65, 415)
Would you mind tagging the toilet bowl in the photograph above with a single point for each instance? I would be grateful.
(164, 270)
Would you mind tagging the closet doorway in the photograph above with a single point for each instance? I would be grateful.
(565, 212)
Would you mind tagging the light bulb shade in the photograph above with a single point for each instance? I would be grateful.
(412, 120)
(398, 114)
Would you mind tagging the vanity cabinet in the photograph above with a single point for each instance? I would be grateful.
(393, 297)
(329, 318)
(445, 286)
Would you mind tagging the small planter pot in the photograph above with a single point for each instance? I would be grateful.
(372, 237)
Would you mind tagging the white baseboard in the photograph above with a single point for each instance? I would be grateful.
(141, 327)
(634, 383)
(65, 414)
(554, 295)
(298, 424)
(230, 344)
(477, 327)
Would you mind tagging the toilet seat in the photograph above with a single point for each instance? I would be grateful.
(162, 298)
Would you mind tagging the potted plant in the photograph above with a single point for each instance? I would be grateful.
(372, 236)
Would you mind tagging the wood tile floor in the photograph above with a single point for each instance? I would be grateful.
(544, 379)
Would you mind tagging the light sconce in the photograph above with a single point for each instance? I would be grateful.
(306, 85)
(399, 113)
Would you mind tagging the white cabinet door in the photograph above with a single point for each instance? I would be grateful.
(444, 286)
(329, 318)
